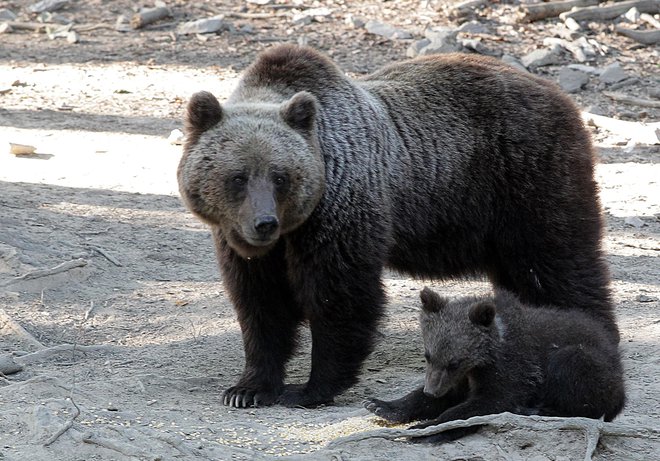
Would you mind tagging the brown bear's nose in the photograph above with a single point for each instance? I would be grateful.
(265, 225)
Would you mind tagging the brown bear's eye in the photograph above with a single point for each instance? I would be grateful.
(239, 180)
(453, 365)
(280, 180)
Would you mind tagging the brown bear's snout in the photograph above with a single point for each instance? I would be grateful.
(266, 225)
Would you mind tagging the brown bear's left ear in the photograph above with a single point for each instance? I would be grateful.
(299, 112)
(432, 301)
(204, 112)
(482, 313)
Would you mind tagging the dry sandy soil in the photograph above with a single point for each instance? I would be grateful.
(152, 339)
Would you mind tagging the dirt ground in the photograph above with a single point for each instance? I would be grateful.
(130, 348)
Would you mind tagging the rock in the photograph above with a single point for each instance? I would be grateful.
(441, 34)
(387, 31)
(7, 15)
(572, 24)
(72, 37)
(513, 61)
(354, 21)
(541, 57)
(417, 46)
(307, 16)
(645, 299)
(5, 28)
(47, 5)
(632, 15)
(204, 26)
(442, 40)
(634, 221)
(260, 2)
(571, 80)
(613, 74)
(472, 27)
(176, 137)
(477, 46)
(8, 366)
(587, 69)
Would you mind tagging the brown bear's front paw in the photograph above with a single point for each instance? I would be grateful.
(385, 410)
(298, 395)
(245, 396)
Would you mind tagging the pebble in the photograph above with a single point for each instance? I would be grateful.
(645, 299)
(203, 26)
(513, 61)
(387, 31)
(571, 80)
(541, 57)
(7, 15)
(634, 221)
(417, 46)
(632, 15)
(613, 74)
(8, 366)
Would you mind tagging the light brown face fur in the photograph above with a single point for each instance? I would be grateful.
(253, 170)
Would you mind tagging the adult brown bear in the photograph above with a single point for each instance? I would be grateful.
(445, 166)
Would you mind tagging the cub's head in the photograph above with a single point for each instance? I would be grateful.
(459, 336)
(253, 169)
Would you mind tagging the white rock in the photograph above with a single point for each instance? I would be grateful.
(632, 15)
(541, 57)
(203, 26)
(634, 221)
(571, 80)
(417, 46)
(613, 74)
(387, 31)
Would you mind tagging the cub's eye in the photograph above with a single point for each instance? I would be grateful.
(280, 180)
(239, 180)
(427, 356)
(453, 365)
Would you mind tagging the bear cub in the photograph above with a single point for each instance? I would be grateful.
(488, 355)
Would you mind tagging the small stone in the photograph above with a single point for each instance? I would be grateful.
(441, 34)
(47, 5)
(8, 366)
(72, 37)
(572, 24)
(387, 31)
(7, 15)
(632, 15)
(541, 57)
(417, 46)
(204, 26)
(571, 80)
(645, 299)
(513, 62)
(354, 21)
(176, 137)
(5, 28)
(472, 27)
(584, 68)
(634, 221)
(613, 74)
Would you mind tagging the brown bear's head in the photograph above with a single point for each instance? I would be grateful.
(253, 169)
(459, 336)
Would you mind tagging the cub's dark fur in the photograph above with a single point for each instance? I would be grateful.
(492, 354)
(439, 167)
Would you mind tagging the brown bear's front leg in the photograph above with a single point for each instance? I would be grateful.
(343, 303)
(268, 316)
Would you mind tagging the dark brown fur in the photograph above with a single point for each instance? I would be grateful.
(441, 167)
(491, 354)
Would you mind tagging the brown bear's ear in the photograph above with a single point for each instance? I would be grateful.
(432, 301)
(482, 313)
(204, 112)
(299, 112)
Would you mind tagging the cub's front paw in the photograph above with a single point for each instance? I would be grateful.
(247, 396)
(299, 395)
(385, 410)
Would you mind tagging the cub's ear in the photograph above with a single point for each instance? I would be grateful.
(299, 112)
(204, 112)
(482, 313)
(432, 301)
